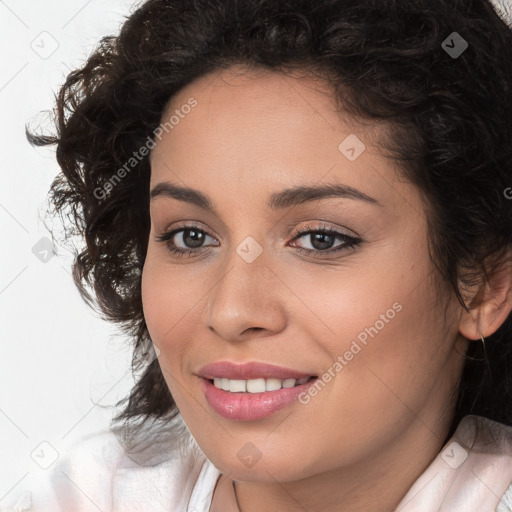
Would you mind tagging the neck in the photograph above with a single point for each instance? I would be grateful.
(379, 483)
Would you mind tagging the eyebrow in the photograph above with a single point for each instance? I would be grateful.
(278, 200)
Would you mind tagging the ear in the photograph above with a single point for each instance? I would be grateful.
(492, 303)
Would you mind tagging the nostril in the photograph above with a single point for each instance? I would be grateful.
(255, 329)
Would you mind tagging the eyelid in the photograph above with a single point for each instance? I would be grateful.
(184, 224)
(349, 242)
(325, 227)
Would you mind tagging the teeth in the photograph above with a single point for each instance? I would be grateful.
(236, 386)
(288, 383)
(256, 385)
(273, 384)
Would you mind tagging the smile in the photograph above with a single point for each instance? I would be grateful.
(257, 385)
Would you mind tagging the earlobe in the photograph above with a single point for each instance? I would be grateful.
(493, 305)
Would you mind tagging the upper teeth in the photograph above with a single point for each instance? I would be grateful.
(256, 385)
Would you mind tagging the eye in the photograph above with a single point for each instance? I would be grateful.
(189, 240)
(322, 240)
(191, 237)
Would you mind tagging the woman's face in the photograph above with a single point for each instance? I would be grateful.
(366, 319)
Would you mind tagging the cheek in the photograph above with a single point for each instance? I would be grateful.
(159, 304)
(153, 297)
(161, 314)
(382, 329)
(384, 351)
(159, 290)
(171, 304)
(394, 360)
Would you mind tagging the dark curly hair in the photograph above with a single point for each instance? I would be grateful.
(450, 130)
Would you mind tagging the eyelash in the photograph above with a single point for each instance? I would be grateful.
(351, 242)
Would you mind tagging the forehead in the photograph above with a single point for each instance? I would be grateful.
(251, 105)
(265, 129)
(258, 88)
(253, 109)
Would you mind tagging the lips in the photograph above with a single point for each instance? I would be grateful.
(250, 370)
(248, 406)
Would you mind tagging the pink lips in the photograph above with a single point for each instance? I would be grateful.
(245, 371)
(249, 406)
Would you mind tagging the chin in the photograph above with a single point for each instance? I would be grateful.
(268, 468)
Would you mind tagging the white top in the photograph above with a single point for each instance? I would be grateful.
(473, 473)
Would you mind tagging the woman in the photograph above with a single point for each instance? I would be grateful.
(301, 213)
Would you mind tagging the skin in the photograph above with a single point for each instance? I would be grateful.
(372, 431)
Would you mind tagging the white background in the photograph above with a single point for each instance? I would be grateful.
(59, 361)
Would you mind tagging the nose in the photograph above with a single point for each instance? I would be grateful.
(247, 301)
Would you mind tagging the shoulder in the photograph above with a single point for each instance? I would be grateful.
(471, 473)
(84, 467)
(96, 473)
(505, 504)
(493, 444)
